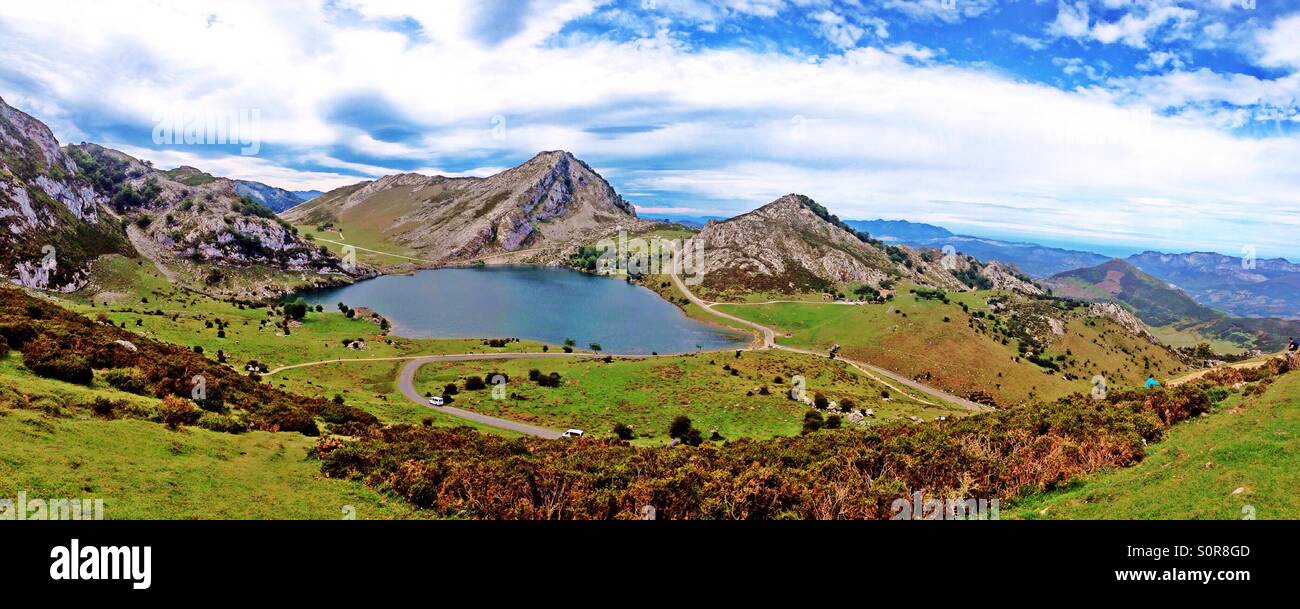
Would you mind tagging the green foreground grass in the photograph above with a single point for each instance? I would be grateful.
(54, 448)
(1239, 462)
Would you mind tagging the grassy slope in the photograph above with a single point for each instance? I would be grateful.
(647, 394)
(1247, 443)
(54, 448)
(958, 358)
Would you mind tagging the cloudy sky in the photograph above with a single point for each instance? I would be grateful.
(1123, 124)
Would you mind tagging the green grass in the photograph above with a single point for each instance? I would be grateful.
(909, 335)
(372, 387)
(648, 393)
(1247, 443)
(55, 448)
(1180, 337)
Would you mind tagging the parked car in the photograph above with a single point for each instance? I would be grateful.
(436, 401)
(572, 433)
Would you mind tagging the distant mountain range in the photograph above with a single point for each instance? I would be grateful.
(278, 199)
(1258, 288)
(1159, 304)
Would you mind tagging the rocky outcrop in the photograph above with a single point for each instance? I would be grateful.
(1124, 317)
(794, 245)
(53, 222)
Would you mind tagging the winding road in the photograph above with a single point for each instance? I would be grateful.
(871, 370)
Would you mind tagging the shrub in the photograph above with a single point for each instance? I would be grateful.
(832, 422)
(222, 423)
(623, 431)
(449, 389)
(475, 383)
(680, 426)
(103, 407)
(812, 421)
(130, 380)
(176, 412)
(820, 401)
(47, 358)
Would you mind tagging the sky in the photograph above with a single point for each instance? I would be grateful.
(1125, 124)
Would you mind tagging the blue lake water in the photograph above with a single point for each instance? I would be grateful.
(545, 304)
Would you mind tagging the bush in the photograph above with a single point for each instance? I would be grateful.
(680, 427)
(130, 380)
(103, 407)
(475, 383)
(4, 348)
(47, 358)
(222, 423)
(623, 431)
(549, 380)
(449, 389)
(812, 421)
(176, 412)
(832, 422)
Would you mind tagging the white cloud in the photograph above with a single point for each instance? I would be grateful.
(1133, 29)
(869, 132)
(1279, 45)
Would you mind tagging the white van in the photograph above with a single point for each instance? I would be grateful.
(572, 433)
(435, 400)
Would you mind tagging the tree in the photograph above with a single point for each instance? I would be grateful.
(680, 427)
(812, 421)
(594, 346)
(296, 310)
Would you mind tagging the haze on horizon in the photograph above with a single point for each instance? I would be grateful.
(1124, 124)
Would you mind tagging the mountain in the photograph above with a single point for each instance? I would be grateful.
(1157, 303)
(306, 195)
(1266, 288)
(793, 244)
(1160, 304)
(53, 223)
(1034, 259)
(900, 231)
(536, 212)
(201, 232)
(277, 199)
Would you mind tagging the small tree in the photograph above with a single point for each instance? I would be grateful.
(812, 421)
(296, 310)
(623, 431)
(680, 426)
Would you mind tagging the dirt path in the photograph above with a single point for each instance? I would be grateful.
(1250, 363)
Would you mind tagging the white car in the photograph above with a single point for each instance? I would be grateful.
(436, 401)
(572, 433)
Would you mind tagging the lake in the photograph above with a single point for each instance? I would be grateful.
(545, 304)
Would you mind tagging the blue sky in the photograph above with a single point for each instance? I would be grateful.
(1128, 124)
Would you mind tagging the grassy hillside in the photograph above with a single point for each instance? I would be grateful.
(1247, 443)
(54, 447)
(647, 394)
(963, 350)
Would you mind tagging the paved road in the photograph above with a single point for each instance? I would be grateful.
(769, 342)
(406, 383)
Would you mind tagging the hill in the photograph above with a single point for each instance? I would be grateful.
(202, 232)
(1162, 305)
(793, 245)
(536, 212)
(53, 223)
